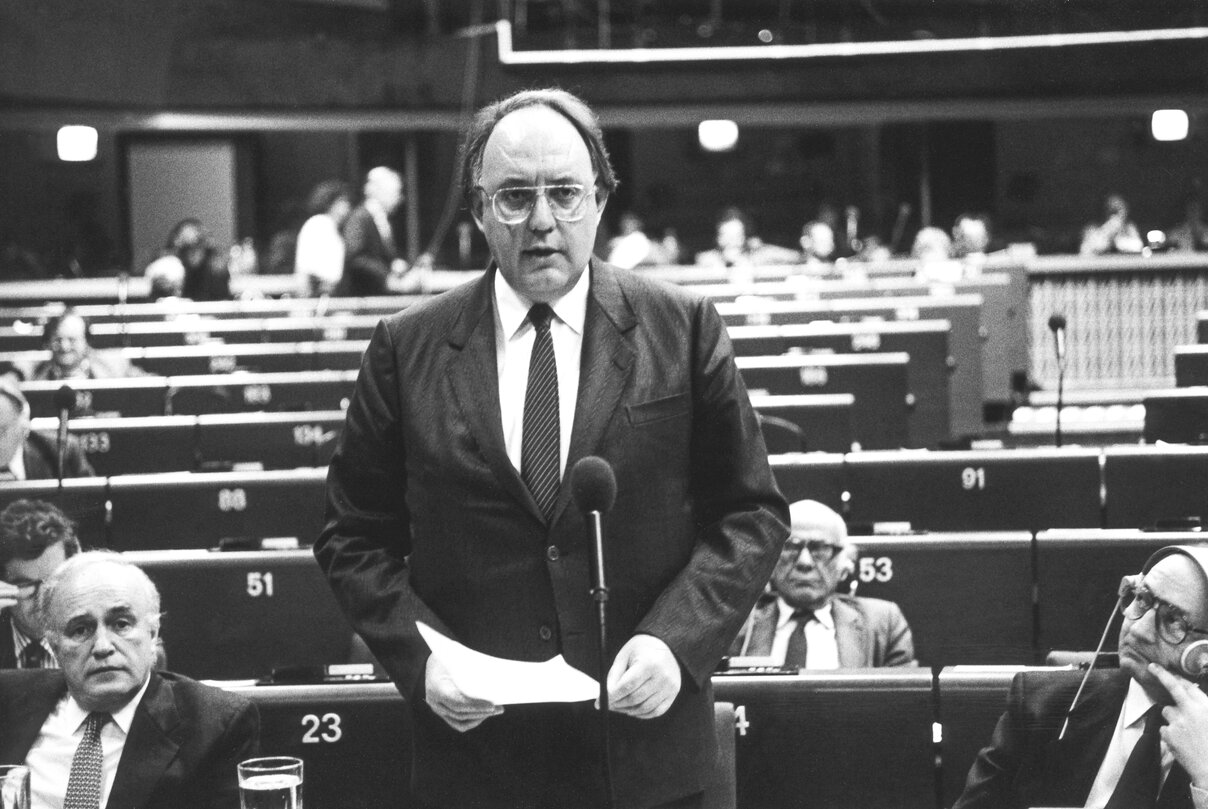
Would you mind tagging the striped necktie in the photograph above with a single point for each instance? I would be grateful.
(540, 441)
(84, 780)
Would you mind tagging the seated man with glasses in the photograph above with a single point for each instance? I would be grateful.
(1122, 738)
(804, 621)
(35, 538)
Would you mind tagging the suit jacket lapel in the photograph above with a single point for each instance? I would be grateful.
(1074, 762)
(475, 379)
(607, 362)
(851, 636)
(28, 714)
(150, 748)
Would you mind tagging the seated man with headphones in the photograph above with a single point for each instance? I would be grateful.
(804, 622)
(1122, 738)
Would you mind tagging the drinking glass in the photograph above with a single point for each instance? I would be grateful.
(273, 782)
(14, 786)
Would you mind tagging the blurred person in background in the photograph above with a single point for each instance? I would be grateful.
(190, 267)
(68, 338)
(1117, 233)
(817, 243)
(371, 256)
(738, 248)
(1191, 233)
(319, 254)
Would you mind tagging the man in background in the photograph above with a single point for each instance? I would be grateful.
(805, 622)
(29, 455)
(35, 538)
(371, 256)
(153, 739)
(1134, 737)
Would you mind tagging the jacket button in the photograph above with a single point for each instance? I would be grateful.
(552, 553)
(545, 632)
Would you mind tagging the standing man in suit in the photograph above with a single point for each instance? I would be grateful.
(35, 538)
(448, 503)
(804, 622)
(161, 739)
(371, 256)
(1136, 736)
(29, 455)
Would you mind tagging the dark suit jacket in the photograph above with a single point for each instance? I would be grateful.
(184, 741)
(42, 459)
(428, 520)
(8, 655)
(367, 257)
(870, 632)
(1025, 765)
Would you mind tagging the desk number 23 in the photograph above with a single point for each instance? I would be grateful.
(325, 728)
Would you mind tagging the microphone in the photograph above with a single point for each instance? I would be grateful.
(64, 401)
(1111, 619)
(594, 487)
(1057, 327)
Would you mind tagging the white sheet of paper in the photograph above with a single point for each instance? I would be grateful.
(509, 682)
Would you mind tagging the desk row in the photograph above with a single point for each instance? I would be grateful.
(873, 739)
(993, 598)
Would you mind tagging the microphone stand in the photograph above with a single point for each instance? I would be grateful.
(599, 593)
(1060, 385)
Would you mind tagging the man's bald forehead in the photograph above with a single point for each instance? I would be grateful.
(810, 515)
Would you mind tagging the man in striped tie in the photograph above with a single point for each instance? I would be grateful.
(106, 730)
(449, 500)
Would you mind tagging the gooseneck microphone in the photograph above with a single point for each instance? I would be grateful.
(594, 487)
(64, 401)
(1057, 326)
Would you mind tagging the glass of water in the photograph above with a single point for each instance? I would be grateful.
(14, 786)
(274, 782)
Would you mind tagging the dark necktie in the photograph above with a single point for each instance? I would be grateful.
(33, 656)
(84, 780)
(794, 653)
(1142, 775)
(539, 446)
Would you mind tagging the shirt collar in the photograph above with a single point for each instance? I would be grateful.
(1136, 703)
(785, 614)
(17, 464)
(123, 717)
(513, 307)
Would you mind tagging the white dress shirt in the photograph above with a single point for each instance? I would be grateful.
(320, 250)
(49, 760)
(514, 337)
(821, 648)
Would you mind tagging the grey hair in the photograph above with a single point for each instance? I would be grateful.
(82, 561)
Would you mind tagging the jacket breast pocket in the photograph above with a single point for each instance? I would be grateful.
(658, 409)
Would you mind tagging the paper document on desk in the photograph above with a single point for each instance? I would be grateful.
(509, 682)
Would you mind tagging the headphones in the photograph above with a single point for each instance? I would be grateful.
(1194, 660)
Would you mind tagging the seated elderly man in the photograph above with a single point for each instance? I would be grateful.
(68, 337)
(804, 622)
(29, 455)
(107, 730)
(1133, 737)
(35, 538)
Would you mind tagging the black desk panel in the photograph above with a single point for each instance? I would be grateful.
(1077, 576)
(1177, 416)
(126, 446)
(242, 393)
(85, 500)
(266, 358)
(883, 410)
(991, 490)
(1190, 365)
(971, 700)
(273, 440)
(138, 396)
(925, 342)
(825, 420)
(832, 741)
(234, 615)
(1149, 487)
(967, 597)
(178, 510)
(814, 476)
(354, 740)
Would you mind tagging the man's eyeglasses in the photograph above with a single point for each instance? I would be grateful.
(1136, 600)
(514, 204)
(27, 588)
(820, 550)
